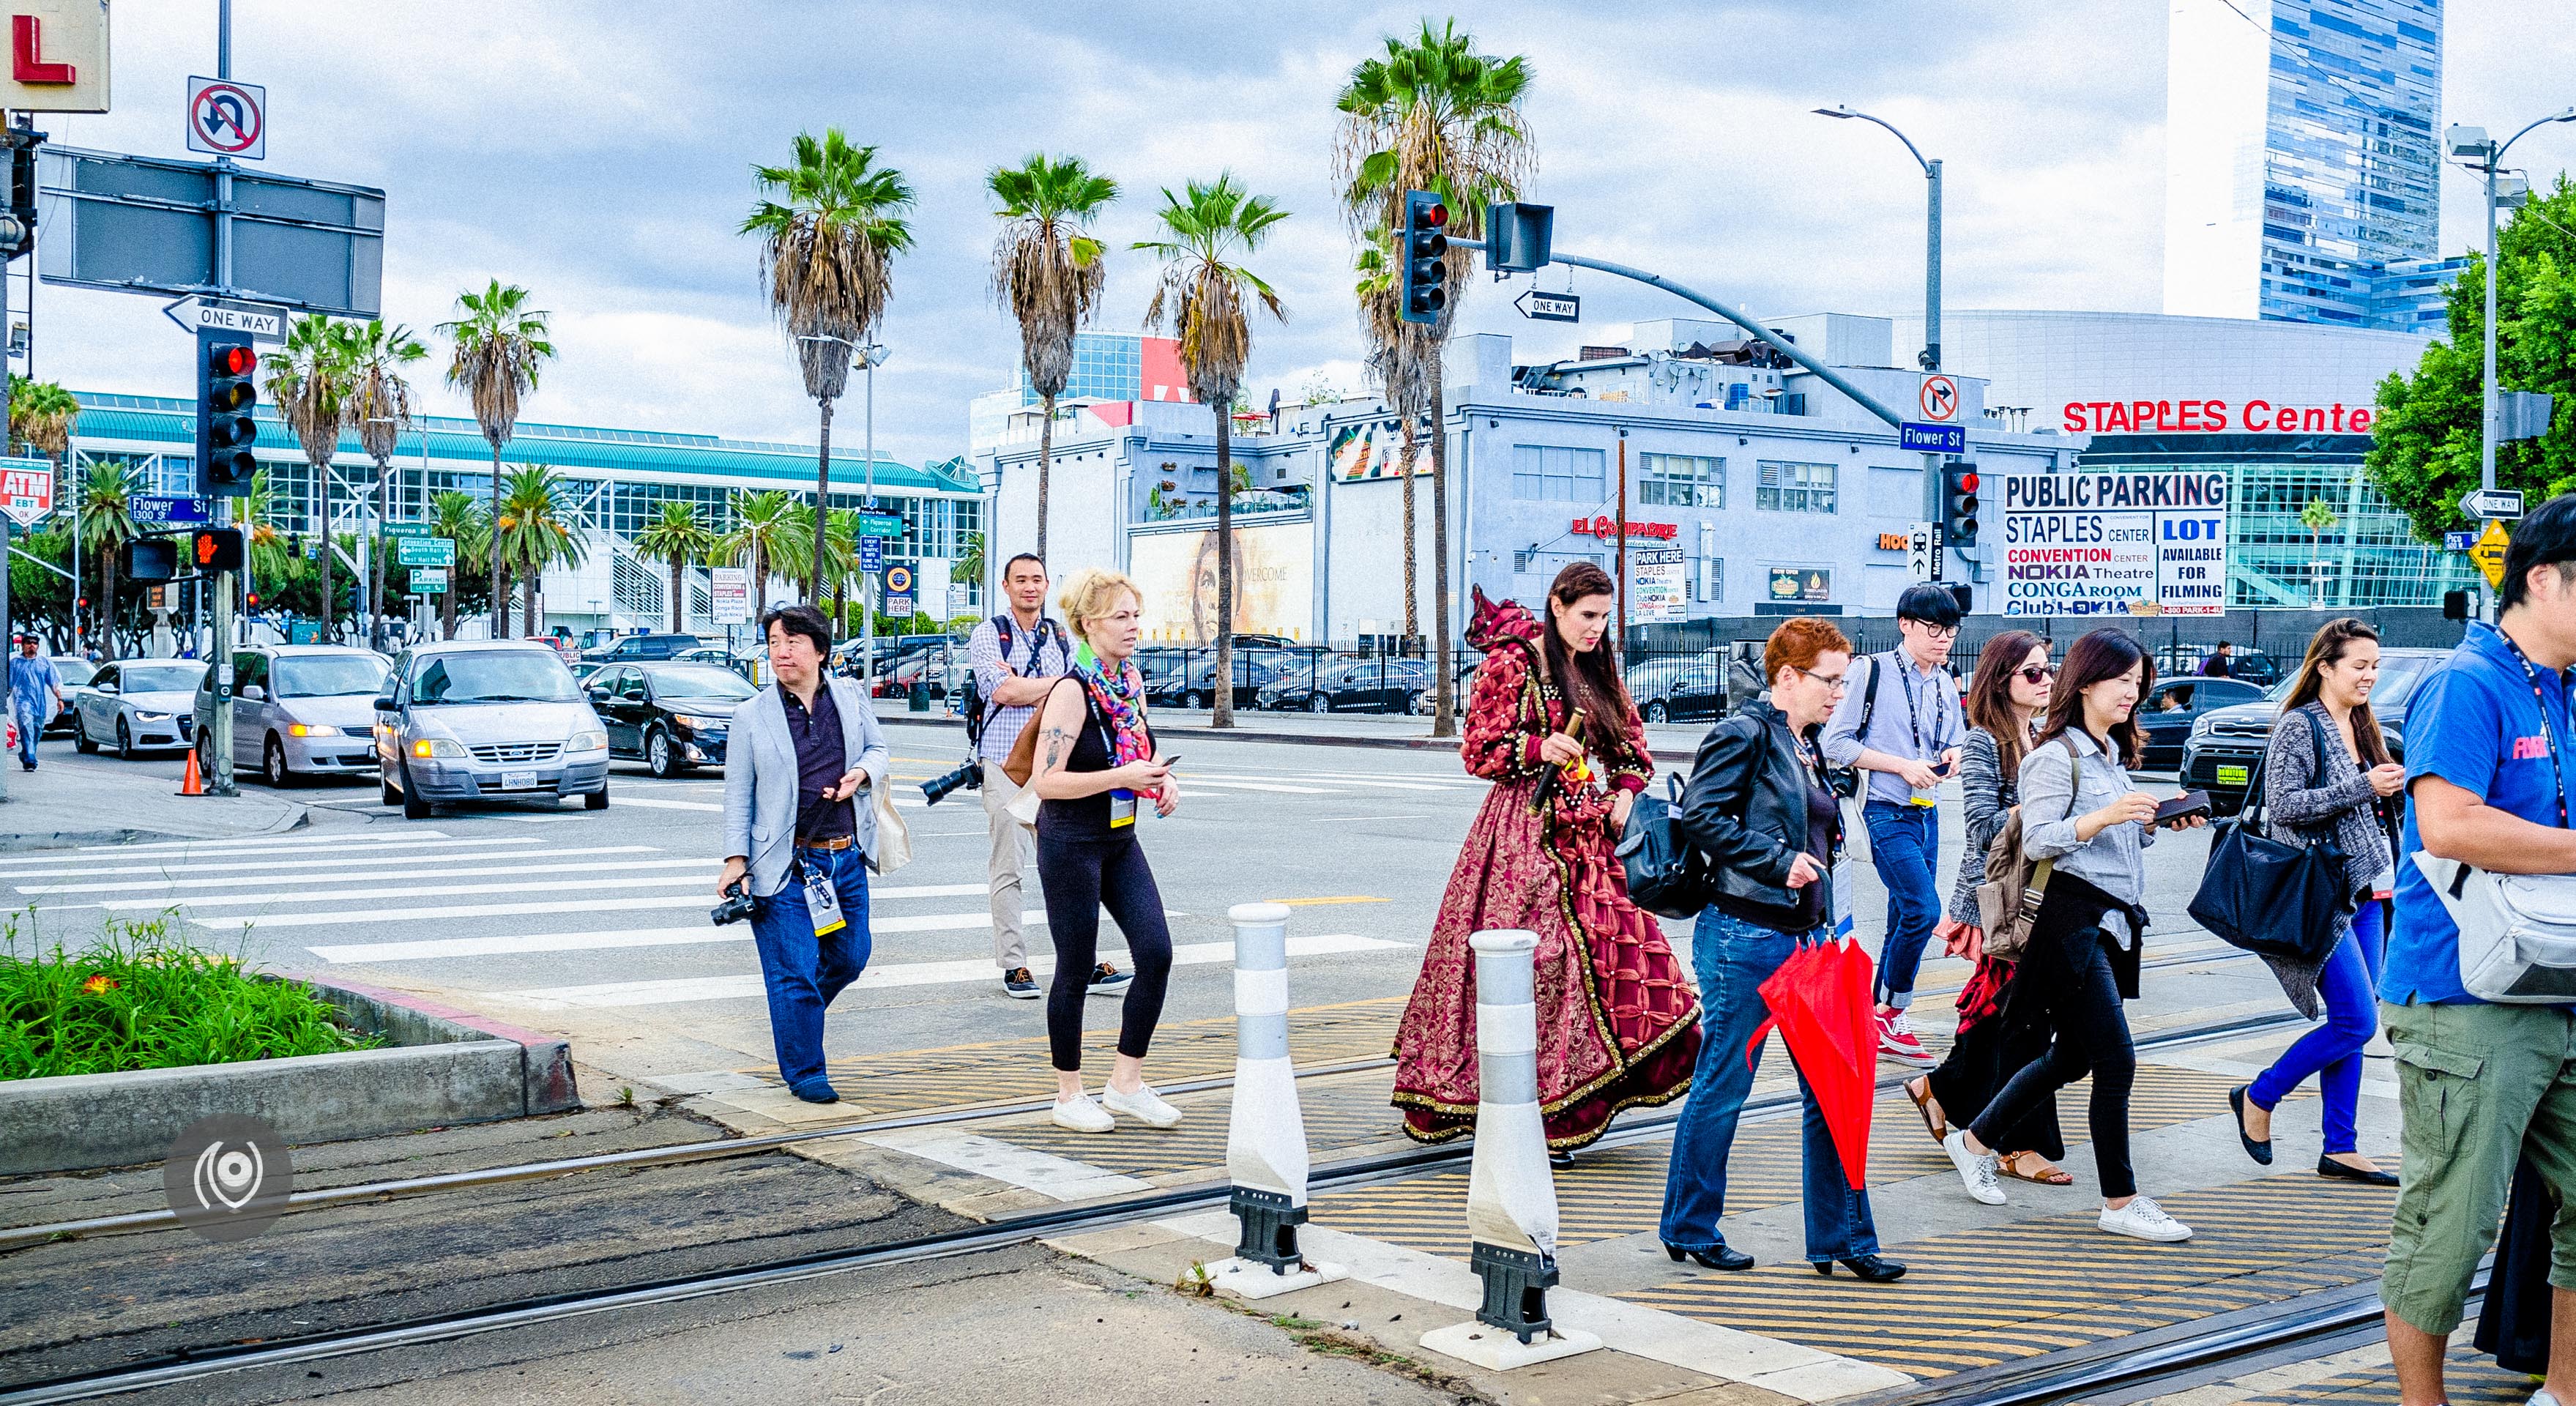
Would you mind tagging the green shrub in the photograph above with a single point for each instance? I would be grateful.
(141, 998)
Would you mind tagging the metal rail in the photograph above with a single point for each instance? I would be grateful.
(192, 1364)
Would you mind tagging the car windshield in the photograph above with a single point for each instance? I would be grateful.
(496, 676)
(74, 671)
(161, 678)
(698, 681)
(2398, 676)
(330, 676)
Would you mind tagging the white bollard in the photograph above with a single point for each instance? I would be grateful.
(1265, 1141)
(1511, 1195)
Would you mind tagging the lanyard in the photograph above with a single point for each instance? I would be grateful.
(2548, 731)
(1905, 676)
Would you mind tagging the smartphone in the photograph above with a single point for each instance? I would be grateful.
(1941, 768)
(2189, 803)
(1171, 761)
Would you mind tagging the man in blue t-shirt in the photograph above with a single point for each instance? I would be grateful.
(2488, 757)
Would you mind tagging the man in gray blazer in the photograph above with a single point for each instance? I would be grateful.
(799, 829)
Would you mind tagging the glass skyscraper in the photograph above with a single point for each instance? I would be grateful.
(2302, 169)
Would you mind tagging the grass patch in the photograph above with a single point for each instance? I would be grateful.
(142, 998)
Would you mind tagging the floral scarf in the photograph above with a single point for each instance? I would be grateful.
(1122, 704)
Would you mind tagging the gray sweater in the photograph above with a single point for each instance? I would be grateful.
(2305, 805)
(2114, 860)
(1989, 796)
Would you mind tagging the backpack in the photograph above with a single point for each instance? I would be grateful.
(1665, 874)
(977, 707)
(2008, 901)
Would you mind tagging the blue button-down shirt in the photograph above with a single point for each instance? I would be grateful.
(1918, 721)
(33, 682)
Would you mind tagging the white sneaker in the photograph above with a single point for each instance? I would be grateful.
(2144, 1220)
(1977, 1169)
(2541, 1397)
(1144, 1105)
(1083, 1116)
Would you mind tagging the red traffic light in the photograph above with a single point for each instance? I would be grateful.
(235, 360)
(1435, 215)
(1967, 483)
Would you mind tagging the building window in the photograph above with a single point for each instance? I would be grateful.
(1682, 481)
(1545, 473)
(1795, 488)
(1542, 566)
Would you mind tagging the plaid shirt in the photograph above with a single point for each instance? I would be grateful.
(1035, 654)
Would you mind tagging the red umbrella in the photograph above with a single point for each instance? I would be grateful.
(1820, 1000)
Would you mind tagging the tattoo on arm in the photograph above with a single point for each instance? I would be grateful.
(1056, 737)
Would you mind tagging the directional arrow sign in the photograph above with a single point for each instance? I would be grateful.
(197, 313)
(1549, 307)
(2492, 503)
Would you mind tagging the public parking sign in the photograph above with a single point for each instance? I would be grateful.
(227, 118)
(26, 489)
(429, 580)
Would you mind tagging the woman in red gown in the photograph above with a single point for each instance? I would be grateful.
(1618, 1020)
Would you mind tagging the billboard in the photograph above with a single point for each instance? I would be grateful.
(1800, 583)
(1658, 585)
(1358, 452)
(2115, 543)
(1274, 582)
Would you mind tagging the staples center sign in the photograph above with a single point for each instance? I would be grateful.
(2214, 417)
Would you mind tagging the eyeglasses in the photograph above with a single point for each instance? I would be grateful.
(2039, 673)
(1830, 681)
(1932, 631)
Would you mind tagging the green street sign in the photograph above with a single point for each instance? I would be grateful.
(424, 551)
(880, 525)
(405, 529)
(429, 580)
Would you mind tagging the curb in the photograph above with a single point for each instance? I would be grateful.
(1231, 734)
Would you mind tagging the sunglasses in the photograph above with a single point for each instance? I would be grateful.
(2038, 673)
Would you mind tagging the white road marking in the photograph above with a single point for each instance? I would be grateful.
(552, 883)
(250, 843)
(1188, 780)
(273, 880)
(629, 798)
(1057, 1178)
(380, 917)
(435, 949)
(370, 856)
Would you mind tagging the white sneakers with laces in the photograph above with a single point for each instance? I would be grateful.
(1144, 1105)
(1976, 1169)
(2143, 1219)
(1082, 1115)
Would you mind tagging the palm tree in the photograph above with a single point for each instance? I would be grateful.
(266, 544)
(377, 403)
(105, 525)
(41, 416)
(454, 515)
(2319, 518)
(1433, 114)
(677, 536)
(970, 562)
(1402, 377)
(826, 259)
(841, 559)
(1203, 297)
(1047, 274)
(308, 384)
(500, 346)
(764, 524)
(535, 534)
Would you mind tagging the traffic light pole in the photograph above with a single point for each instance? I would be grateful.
(217, 744)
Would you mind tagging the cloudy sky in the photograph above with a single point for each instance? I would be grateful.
(600, 153)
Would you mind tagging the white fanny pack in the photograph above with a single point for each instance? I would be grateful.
(2517, 931)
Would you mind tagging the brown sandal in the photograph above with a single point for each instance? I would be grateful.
(2010, 1166)
(1933, 1123)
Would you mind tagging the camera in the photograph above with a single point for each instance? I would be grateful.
(966, 775)
(736, 907)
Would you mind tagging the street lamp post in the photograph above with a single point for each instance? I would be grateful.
(870, 357)
(1930, 359)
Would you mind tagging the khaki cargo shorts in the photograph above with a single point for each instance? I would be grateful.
(2479, 1085)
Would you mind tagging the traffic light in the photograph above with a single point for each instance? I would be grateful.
(147, 559)
(1425, 285)
(225, 394)
(1959, 505)
(215, 549)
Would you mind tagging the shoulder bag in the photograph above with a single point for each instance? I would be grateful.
(2008, 901)
(894, 838)
(1665, 874)
(1850, 784)
(2267, 896)
(2517, 931)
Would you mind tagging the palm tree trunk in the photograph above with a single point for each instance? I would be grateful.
(107, 599)
(500, 574)
(528, 586)
(1224, 690)
(322, 507)
(822, 505)
(678, 601)
(759, 582)
(447, 604)
(1046, 452)
(1404, 471)
(1443, 681)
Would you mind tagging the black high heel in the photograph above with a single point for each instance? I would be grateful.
(1719, 1258)
(1869, 1269)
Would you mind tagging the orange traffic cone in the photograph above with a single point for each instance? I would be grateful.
(192, 784)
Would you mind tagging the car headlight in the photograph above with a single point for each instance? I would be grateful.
(144, 717)
(593, 740)
(692, 722)
(2203, 726)
(437, 747)
(311, 730)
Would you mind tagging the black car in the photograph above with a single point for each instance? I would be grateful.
(1675, 690)
(2166, 714)
(2220, 753)
(672, 716)
(1381, 685)
(1194, 686)
(630, 649)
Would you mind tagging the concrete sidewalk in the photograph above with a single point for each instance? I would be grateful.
(74, 800)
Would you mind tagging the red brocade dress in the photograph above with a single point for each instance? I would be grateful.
(1618, 1020)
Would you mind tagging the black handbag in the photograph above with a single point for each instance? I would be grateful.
(1665, 874)
(2267, 896)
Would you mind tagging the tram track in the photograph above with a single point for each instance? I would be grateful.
(197, 1363)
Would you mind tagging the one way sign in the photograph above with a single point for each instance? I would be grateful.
(199, 313)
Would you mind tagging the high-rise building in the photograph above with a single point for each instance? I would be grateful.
(1107, 367)
(2301, 165)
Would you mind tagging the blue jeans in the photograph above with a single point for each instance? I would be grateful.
(1903, 842)
(804, 972)
(2332, 1051)
(31, 723)
(1732, 959)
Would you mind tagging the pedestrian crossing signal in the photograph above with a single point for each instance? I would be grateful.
(226, 394)
(216, 549)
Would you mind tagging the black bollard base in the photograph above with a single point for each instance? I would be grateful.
(1516, 1285)
(1270, 1224)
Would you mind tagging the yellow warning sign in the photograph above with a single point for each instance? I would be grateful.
(2489, 554)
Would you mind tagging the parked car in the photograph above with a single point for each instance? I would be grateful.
(1195, 686)
(944, 670)
(1380, 685)
(300, 710)
(487, 719)
(1678, 690)
(2170, 708)
(138, 704)
(2219, 754)
(630, 649)
(75, 672)
(673, 716)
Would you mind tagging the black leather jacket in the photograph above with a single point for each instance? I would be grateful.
(1746, 809)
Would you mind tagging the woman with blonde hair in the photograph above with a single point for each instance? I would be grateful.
(1093, 770)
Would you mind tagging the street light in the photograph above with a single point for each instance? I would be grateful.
(1931, 356)
(2474, 151)
(870, 357)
